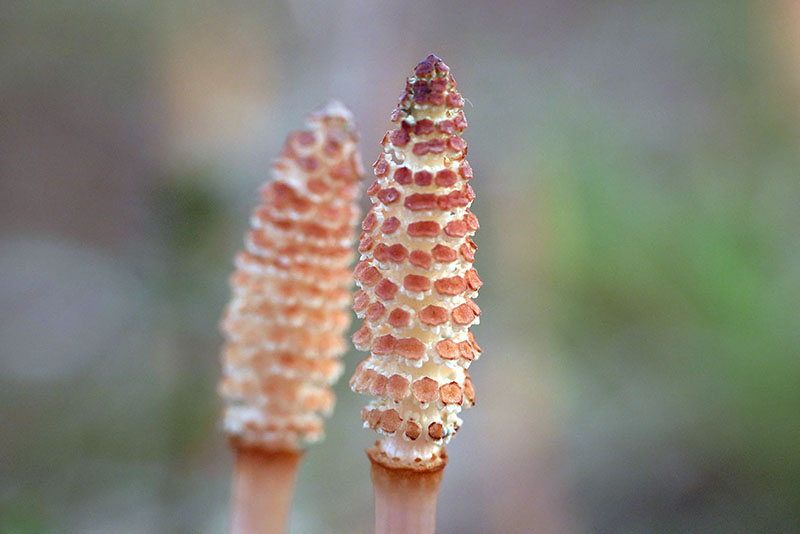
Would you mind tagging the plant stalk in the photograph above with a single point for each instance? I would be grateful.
(263, 483)
(405, 497)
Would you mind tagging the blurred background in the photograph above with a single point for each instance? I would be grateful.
(638, 182)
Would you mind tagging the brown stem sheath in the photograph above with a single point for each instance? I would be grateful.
(405, 497)
(262, 490)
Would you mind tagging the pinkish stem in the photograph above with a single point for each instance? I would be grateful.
(262, 491)
(405, 498)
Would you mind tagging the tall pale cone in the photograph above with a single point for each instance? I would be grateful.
(416, 279)
(285, 324)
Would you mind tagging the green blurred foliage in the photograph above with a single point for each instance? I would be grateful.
(22, 518)
(674, 274)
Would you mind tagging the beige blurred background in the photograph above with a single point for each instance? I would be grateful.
(638, 185)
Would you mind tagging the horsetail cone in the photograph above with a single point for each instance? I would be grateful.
(285, 324)
(416, 277)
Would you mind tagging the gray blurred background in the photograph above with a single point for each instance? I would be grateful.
(638, 185)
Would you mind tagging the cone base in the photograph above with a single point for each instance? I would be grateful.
(405, 495)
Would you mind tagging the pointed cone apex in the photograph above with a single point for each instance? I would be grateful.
(430, 66)
(431, 90)
(332, 110)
